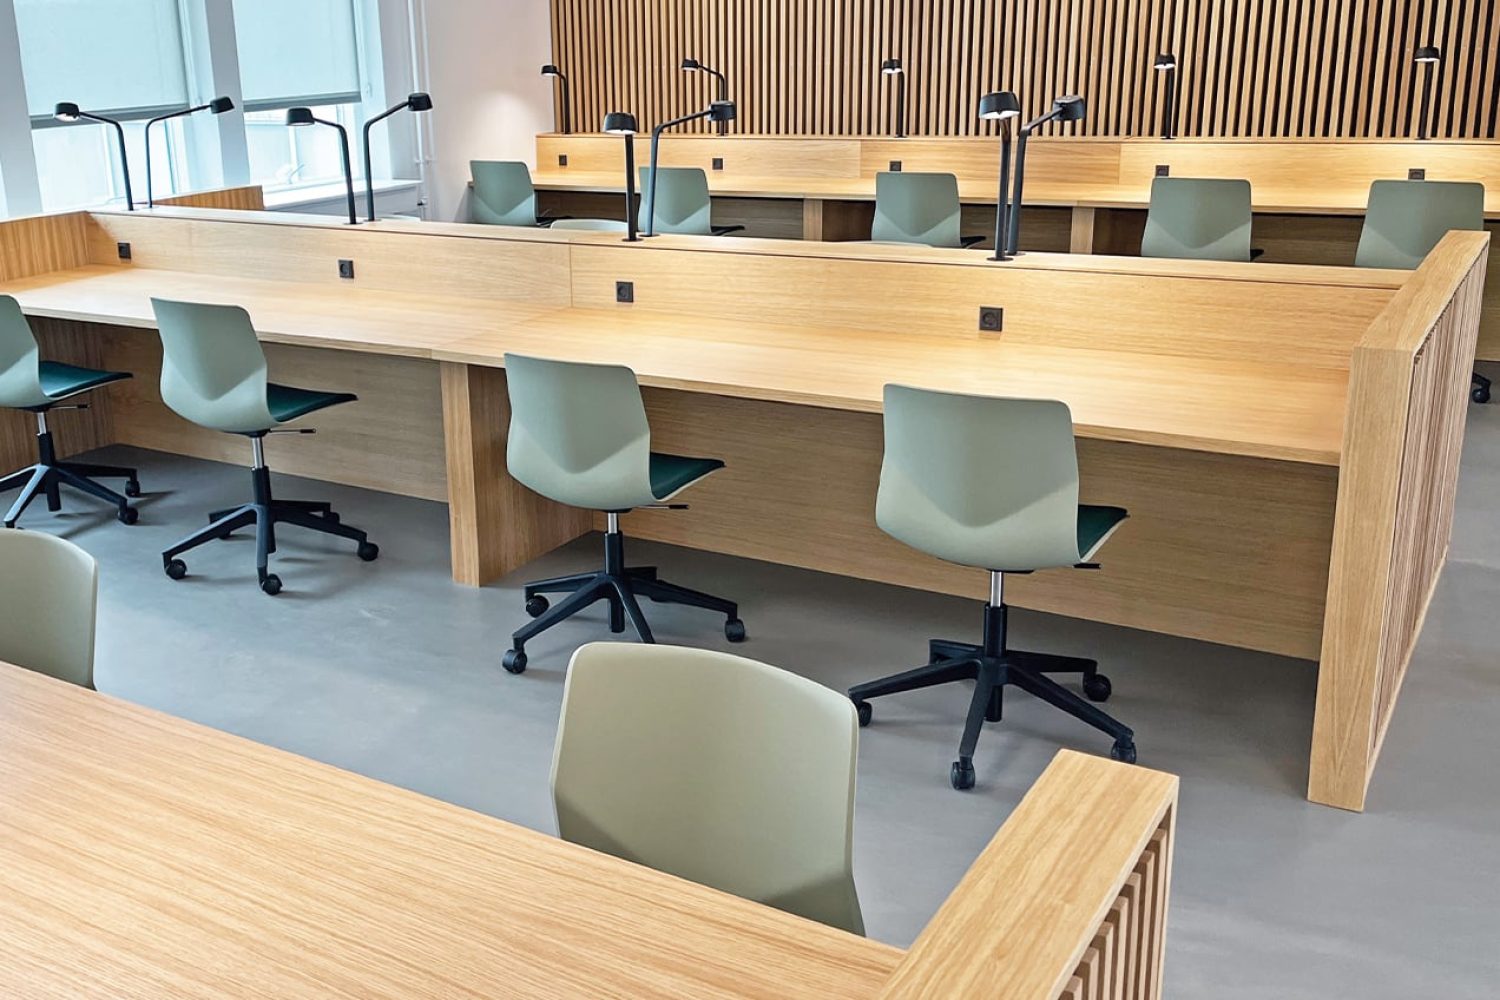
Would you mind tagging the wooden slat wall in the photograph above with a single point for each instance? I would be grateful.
(1316, 68)
(1124, 961)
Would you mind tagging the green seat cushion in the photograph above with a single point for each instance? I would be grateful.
(60, 381)
(670, 473)
(287, 403)
(1094, 526)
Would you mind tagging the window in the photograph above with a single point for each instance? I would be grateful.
(283, 157)
(79, 165)
(121, 56)
(297, 52)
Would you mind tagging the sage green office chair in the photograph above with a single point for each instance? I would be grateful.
(503, 194)
(578, 435)
(990, 483)
(1404, 220)
(714, 768)
(683, 204)
(918, 208)
(213, 373)
(39, 387)
(1195, 218)
(591, 225)
(49, 592)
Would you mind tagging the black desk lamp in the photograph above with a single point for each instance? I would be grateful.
(1427, 56)
(68, 112)
(303, 116)
(417, 102)
(1068, 108)
(562, 82)
(892, 67)
(718, 111)
(1001, 106)
(1167, 63)
(693, 65)
(218, 106)
(623, 123)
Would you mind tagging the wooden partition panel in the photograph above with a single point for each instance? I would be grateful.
(1104, 865)
(1250, 68)
(251, 198)
(1403, 437)
(1313, 170)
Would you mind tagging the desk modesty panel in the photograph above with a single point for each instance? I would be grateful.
(1227, 406)
(144, 855)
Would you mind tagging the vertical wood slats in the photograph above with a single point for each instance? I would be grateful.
(1124, 960)
(1248, 68)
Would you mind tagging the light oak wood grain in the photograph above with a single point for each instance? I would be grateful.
(251, 198)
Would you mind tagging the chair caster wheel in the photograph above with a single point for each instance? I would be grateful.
(1096, 687)
(866, 712)
(962, 775)
(133, 488)
(1123, 751)
(514, 661)
(176, 569)
(537, 605)
(734, 630)
(271, 584)
(1480, 394)
(369, 551)
(128, 515)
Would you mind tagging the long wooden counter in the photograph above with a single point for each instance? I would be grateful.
(1083, 195)
(142, 855)
(1229, 407)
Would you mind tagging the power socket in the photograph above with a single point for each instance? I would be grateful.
(991, 319)
(718, 163)
(624, 291)
(562, 159)
(1416, 174)
(1163, 170)
(123, 249)
(895, 166)
(346, 269)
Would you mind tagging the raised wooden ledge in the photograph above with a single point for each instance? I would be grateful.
(1021, 921)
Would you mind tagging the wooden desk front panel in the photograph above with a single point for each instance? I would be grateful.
(390, 440)
(1225, 549)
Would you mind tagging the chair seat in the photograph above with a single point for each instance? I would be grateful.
(670, 473)
(61, 381)
(288, 403)
(1095, 524)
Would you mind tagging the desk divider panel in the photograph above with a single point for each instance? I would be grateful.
(1402, 441)
(251, 198)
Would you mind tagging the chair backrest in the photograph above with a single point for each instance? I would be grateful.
(591, 225)
(1404, 220)
(48, 594)
(213, 371)
(683, 204)
(20, 360)
(917, 208)
(503, 195)
(715, 768)
(980, 480)
(578, 433)
(1198, 218)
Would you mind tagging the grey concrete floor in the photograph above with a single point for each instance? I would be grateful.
(391, 670)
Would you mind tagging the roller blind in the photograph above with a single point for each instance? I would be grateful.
(296, 52)
(103, 55)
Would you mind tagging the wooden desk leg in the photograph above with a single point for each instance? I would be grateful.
(812, 218)
(1081, 240)
(495, 524)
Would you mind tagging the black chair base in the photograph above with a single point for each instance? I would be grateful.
(993, 667)
(620, 586)
(48, 475)
(264, 513)
(1480, 388)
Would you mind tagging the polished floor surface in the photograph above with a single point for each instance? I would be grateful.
(391, 670)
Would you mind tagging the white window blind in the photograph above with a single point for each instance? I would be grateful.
(297, 52)
(103, 55)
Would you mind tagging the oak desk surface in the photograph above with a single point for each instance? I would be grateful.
(1039, 191)
(1249, 407)
(146, 856)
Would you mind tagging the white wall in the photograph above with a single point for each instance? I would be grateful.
(481, 60)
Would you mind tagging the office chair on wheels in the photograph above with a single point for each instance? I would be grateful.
(991, 483)
(579, 435)
(39, 387)
(213, 372)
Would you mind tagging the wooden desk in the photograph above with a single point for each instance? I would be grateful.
(142, 855)
(1269, 427)
(1083, 195)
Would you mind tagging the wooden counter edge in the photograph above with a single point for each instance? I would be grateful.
(1023, 916)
